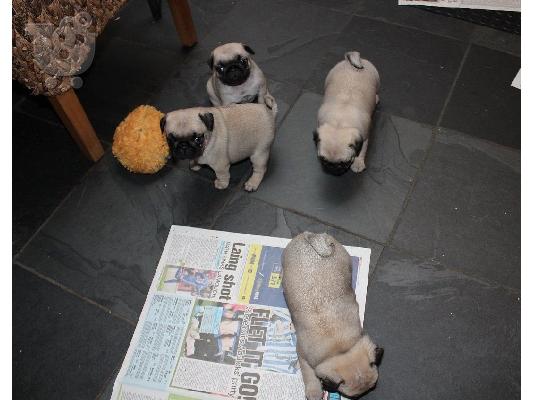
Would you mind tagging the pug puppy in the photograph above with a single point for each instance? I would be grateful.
(235, 78)
(220, 136)
(333, 352)
(345, 115)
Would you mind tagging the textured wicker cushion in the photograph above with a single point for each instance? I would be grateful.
(53, 40)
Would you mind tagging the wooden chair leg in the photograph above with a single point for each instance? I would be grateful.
(181, 13)
(75, 119)
(155, 9)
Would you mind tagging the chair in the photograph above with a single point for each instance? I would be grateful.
(53, 40)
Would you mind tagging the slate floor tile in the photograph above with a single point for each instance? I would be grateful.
(366, 204)
(465, 210)
(106, 239)
(288, 37)
(497, 40)
(47, 163)
(245, 214)
(484, 104)
(123, 75)
(135, 22)
(390, 12)
(445, 335)
(63, 348)
(416, 69)
(188, 89)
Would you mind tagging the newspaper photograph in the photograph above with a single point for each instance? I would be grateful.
(215, 324)
(499, 5)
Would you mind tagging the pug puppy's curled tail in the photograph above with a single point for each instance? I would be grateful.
(270, 102)
(353, 57)
(322, 243)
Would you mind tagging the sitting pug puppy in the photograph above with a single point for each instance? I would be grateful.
(332, 351)
(220, 136)
(235, 76)
(344, 117)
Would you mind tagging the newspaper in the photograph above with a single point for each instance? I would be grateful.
(501, 5)
(517, 80)
(215, 324)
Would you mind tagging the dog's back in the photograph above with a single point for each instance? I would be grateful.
(248, 127)
(356, 85)
(318, 264)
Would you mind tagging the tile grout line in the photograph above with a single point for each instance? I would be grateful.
(314, 218)
(453, 86)
(38, 118)
(53, 213)
(109, 379)
(392, 23)
(73, 293)
(435, 131)
(456, 270)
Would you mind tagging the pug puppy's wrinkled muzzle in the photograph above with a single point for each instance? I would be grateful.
(335, 168)
(234, 73)
(185, 149)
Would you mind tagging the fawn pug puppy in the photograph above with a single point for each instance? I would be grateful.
(332, 351)
(235, 77)
(220, 136)
(344, 117)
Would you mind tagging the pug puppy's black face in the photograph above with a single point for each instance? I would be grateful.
(234, 72)
(231, 63)
(335, 151)
(187, 144)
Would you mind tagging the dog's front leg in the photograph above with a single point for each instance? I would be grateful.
(358, 164)
(222, 171)
(312, 384)
(194, 165)
(214, 98)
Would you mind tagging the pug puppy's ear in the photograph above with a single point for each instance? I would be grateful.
(208, 120)
(379, 353)
(210, 62)
(248, 49)
(315, 137)
(357, 147)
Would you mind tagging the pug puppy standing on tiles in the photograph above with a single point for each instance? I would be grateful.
(235, 78)
(344, 119)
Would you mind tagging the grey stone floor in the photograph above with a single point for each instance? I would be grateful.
(439, 204)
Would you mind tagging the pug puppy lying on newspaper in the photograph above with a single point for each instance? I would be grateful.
(333, 352)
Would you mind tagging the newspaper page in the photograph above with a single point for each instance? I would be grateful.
(215, 324)
(517, 80)
(501, 5)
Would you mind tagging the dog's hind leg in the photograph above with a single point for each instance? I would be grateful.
(259, 166)
(222, 171)
(312, 385)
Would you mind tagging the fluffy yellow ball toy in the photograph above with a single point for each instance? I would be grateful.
(139, 144)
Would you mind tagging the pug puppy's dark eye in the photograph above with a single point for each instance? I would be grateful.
(243, 61)
(198, 139)
(220, 68)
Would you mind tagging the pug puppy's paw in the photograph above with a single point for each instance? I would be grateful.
(358, 165)
(220, 184)
(251, 186)
(314, 393)
(193, 166)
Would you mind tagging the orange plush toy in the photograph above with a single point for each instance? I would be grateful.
(139, 144)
